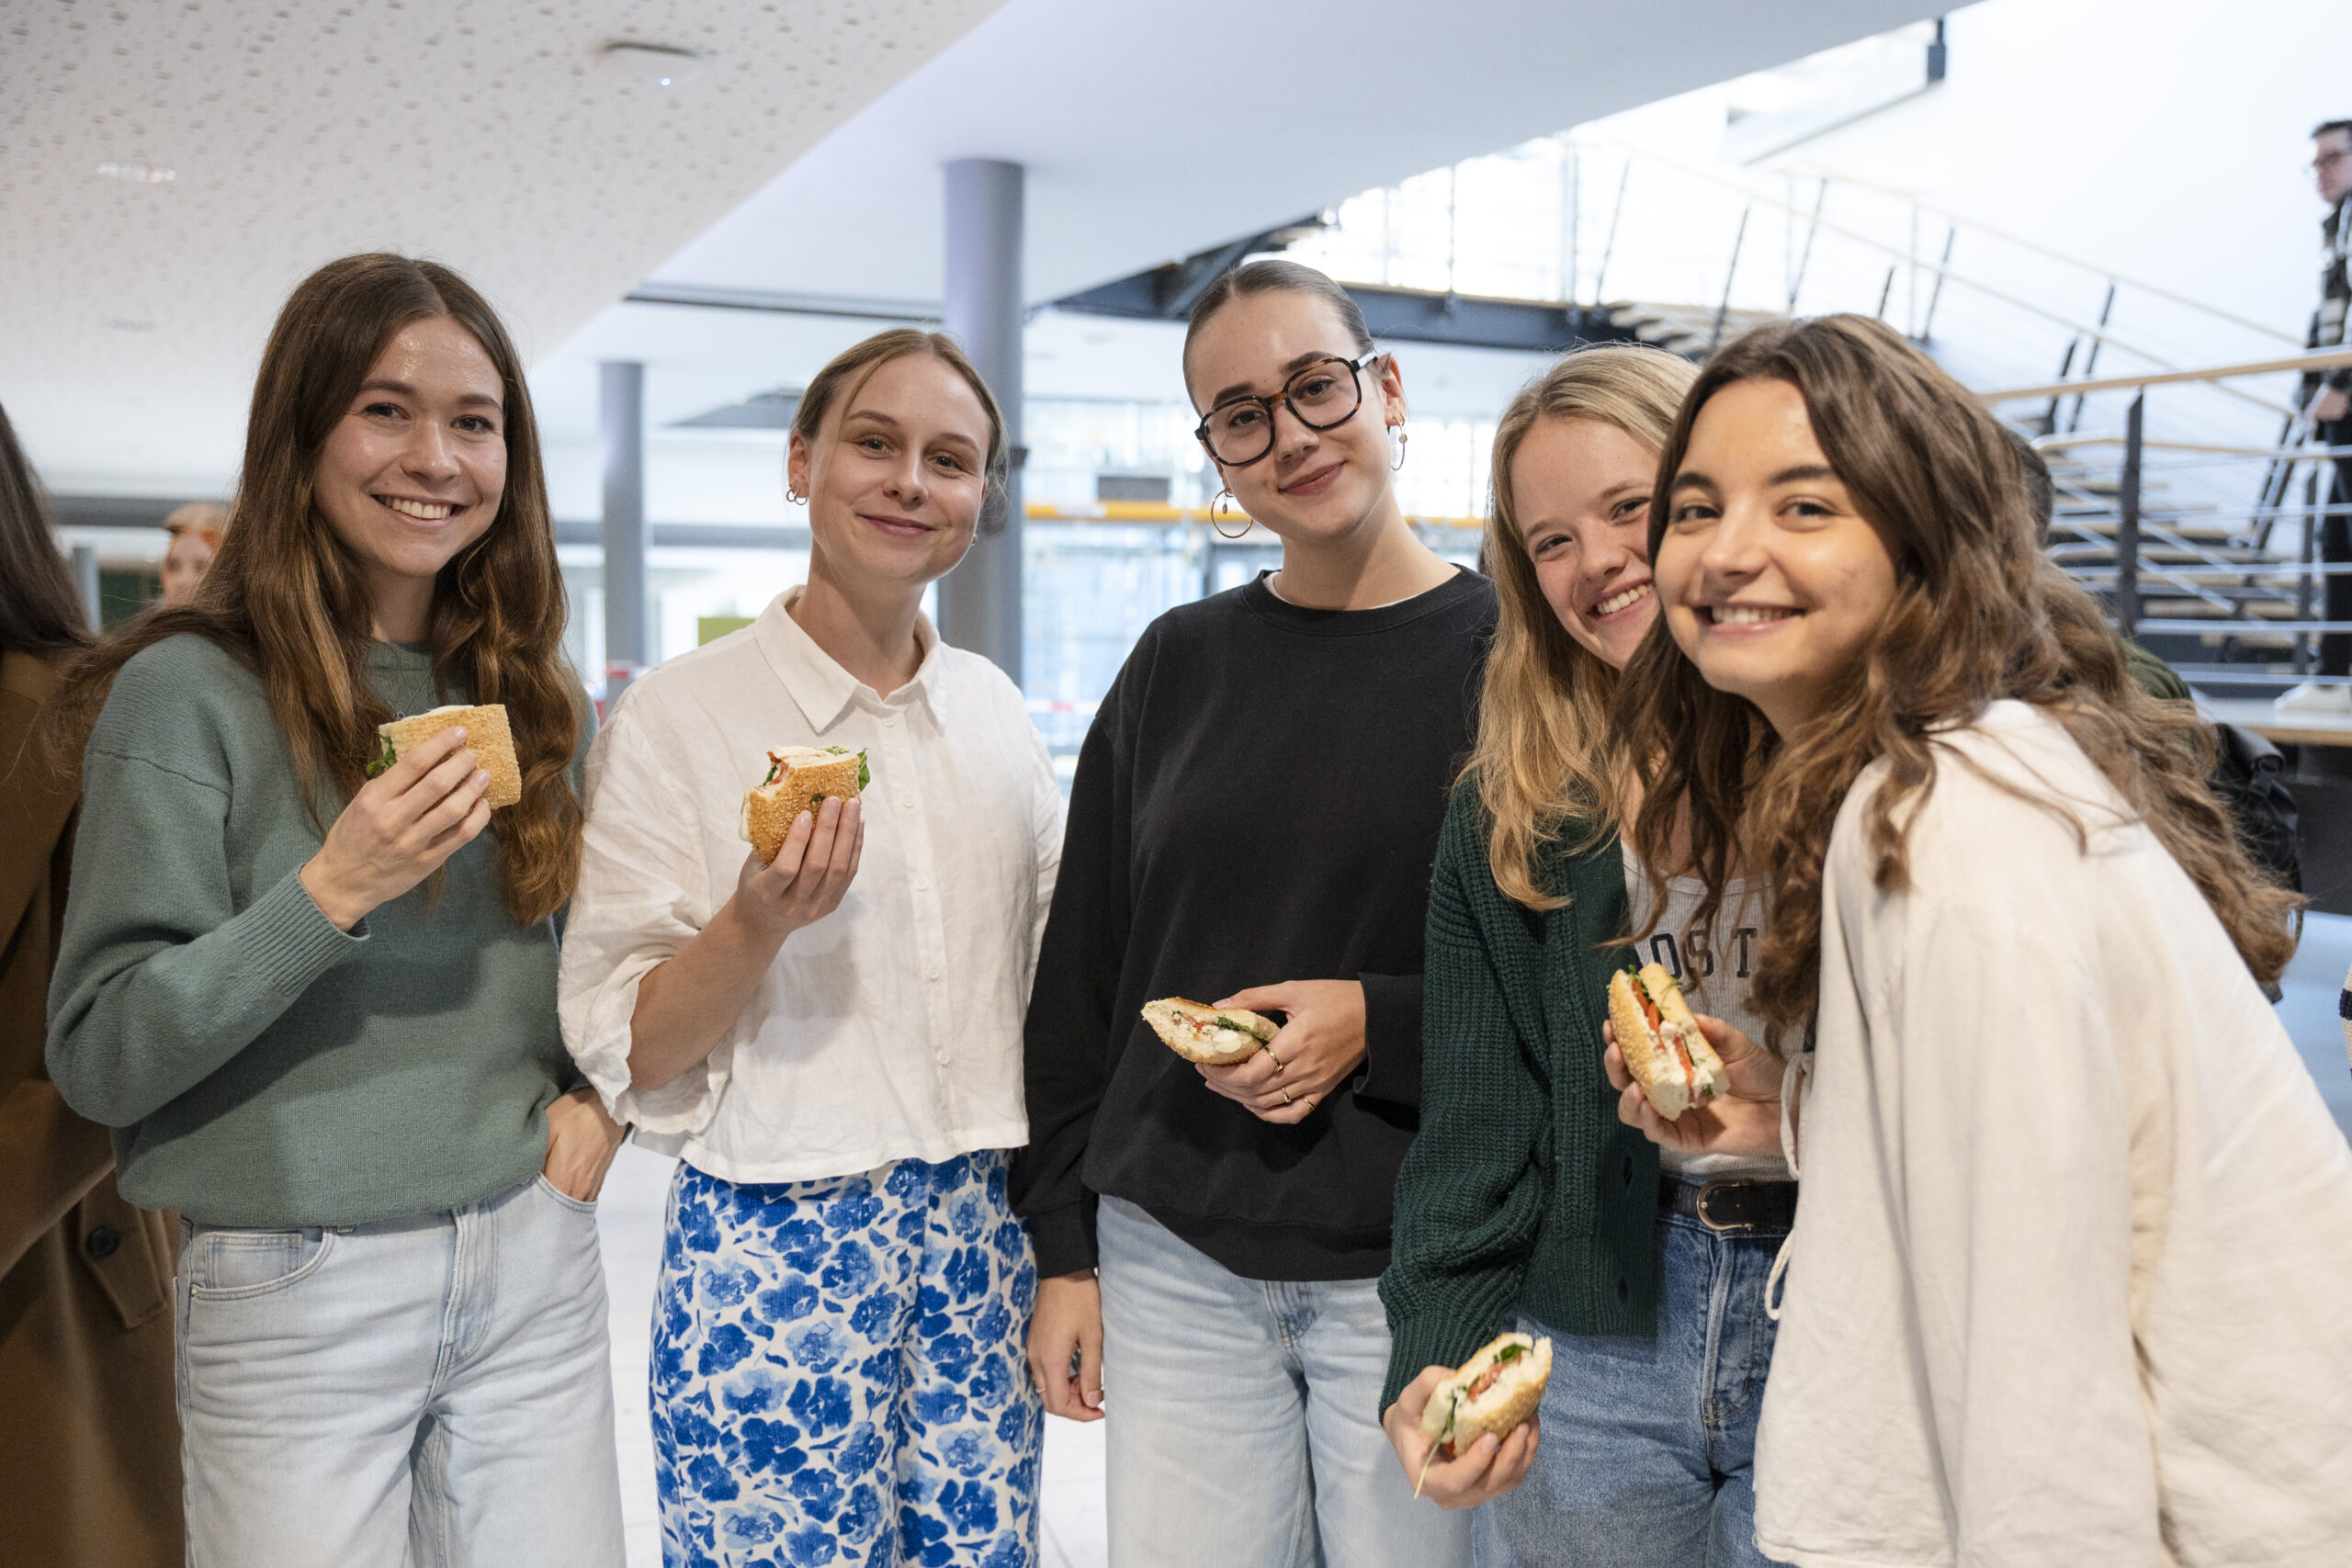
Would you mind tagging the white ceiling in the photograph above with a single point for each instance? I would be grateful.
(480, 134)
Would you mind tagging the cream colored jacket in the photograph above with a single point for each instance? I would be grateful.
(2069, 1284)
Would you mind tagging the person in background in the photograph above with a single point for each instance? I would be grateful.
(1256, 808)
(1524, 1204)
(318, 1007)
(2074, 1215)
(195, 531)
(2327, 403)
(832, 1043)
(88, 1440)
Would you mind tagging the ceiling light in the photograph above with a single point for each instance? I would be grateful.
(138, 174)
(656, 66)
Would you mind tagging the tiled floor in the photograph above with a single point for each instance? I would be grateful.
(630, 1220)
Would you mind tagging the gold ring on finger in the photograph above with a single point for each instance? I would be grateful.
(1285, 1096)
(1277, 1061)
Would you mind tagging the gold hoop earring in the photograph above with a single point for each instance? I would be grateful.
(793, 497)
(1396, 447)
(1214, 521)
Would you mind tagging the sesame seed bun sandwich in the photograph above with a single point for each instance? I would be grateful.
(1198, 1033)
(798, 780)
(1495, 1390)
(1663, 1051)
(487, 737)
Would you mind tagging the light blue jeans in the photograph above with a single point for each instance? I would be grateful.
(433, 1392)
(1242, 1417)
(1648, 1448)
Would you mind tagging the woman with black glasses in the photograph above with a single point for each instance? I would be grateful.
(1255, 813)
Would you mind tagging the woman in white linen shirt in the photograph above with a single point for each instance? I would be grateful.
(2064, 1285)
(832, 1044)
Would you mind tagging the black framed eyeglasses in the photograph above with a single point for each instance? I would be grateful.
(1321, 397)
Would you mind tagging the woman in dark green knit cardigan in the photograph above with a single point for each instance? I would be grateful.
(1524, 1202)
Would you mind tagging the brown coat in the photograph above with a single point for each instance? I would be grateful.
(89, 1442)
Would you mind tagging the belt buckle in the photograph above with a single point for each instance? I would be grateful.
(1731, 1227)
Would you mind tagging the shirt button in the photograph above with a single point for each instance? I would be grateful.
(942, 1058)
(907, 801)
(932, 973)
(890, 719)
(921, 886)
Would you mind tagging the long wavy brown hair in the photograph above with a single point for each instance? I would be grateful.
(1979, 614)
(285, 596)
(1541, 762)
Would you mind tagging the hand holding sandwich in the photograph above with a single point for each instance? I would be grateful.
(1321, 1042)
(685, 1005)
(1745, 1120)
(399, 828)
(1460, 1475)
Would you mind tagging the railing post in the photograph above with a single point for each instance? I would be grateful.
(1715, 338)
(2127, 524)
(2306, 646)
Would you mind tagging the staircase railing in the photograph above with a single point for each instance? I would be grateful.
(2182, 538)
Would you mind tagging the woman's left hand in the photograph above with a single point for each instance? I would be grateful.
(582, 1141)
(1308, 1056)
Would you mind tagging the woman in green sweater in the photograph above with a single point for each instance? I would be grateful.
(318, 1007)
(1525, 1203)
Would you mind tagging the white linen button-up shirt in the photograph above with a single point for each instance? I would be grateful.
(889, 1030)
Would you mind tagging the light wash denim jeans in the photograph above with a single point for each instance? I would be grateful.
(1243, 1428)
(433, 1392)
(1647, 1447)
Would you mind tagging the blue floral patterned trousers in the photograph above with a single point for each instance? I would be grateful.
(840, 1374)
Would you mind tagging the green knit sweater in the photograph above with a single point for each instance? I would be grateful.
(259, 1066)
(1522, 1188)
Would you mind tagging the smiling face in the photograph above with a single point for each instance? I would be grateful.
(895, 475)
(1771, 580)
(1316, 485)
(414, 469)
(1580, 489)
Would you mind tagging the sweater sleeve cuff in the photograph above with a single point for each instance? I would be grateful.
(1391, 1037)
(1416, 1341)
(288, 941)
(1064, 1239)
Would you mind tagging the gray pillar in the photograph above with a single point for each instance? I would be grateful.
(83, 560)
(980, 601)
(628, 649)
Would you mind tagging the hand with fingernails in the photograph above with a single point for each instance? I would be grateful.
(1321, 1042)
(399, 828)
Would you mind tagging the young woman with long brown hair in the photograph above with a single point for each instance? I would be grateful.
(2073, 1212)
(1524, 1204)
(830, 1041)
(1253, 818)
(318, 1007)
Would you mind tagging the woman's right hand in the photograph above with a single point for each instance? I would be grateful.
(1745, 1121)
(1065, 1345)
(811, 875)
(1491, 1467)
(399, 829)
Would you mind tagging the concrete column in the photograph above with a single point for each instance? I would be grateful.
(627, 646)
(84, 560)
(980, 601)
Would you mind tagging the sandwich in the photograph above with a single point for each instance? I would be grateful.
(799, 778)
(1217, 1036)
(487, 737)
(1660, 1041)
(1495, 1390)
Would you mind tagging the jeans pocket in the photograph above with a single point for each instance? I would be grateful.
(576, 1205)
(225, 1264)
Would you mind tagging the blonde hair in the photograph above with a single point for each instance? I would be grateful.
(208, 520)
(845, 375)
(1539, 761)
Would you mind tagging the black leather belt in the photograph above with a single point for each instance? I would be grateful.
(1735, 1207)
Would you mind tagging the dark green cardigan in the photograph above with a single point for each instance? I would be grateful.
(1522, 1188)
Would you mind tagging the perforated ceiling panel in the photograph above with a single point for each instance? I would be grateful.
(170, 168)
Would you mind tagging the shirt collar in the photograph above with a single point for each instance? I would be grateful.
(823, 690)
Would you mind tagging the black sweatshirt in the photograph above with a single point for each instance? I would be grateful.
(1258, 801)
